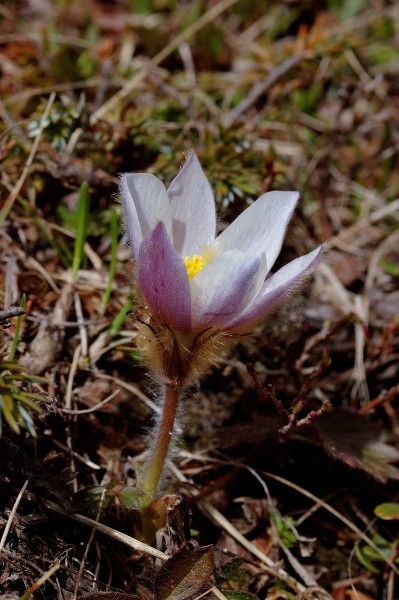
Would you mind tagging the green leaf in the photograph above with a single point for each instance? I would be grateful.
(391, 267)
(233, 595)
(365, 560)
(370, 557)
(184, 574)
(284, 528)
(121, 316)
(81, 231)
(388, 511)
(7, 406)
(233, 575)
(112, 264)
(17, 330)
(130, 498)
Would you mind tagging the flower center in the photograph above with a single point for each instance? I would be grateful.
(194, 265)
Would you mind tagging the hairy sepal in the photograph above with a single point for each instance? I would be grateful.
(178, 357)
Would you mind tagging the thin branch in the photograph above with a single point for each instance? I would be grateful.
(10, 313)
(12, 515)
(262, 87)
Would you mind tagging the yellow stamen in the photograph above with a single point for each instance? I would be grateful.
(194, 265)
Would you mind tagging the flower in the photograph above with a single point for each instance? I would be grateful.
(191, 280)
(199, 291)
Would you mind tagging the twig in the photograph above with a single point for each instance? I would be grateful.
(262, 87)
(347, 303)
(68, 406)
(117, 535)
(72, 372)
(306, 577)
(85, 411)
(82, 328)
(318, 501)
(84, 459)
(216, 516)
(133, 389)
(336, 514)
(10, 313)
(384, 396)
(361, 305)
(57, 88)
(12, 515)
(88, 546)
(35, 586)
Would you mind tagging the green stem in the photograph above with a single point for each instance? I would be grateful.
(17, 331)
(153, 469)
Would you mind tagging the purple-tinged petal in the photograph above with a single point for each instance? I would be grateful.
(275, 289)
(145, 204)
(163, 279)
(261, 227)
(259, 279)
(193, 208)
(222, 288)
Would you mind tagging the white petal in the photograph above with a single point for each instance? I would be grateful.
(259, 279)
(222, 288)
(261, 227)
(299, 267)
(146, 204)
(193, 209)
(275, 290)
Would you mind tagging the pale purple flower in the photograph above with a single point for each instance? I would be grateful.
(189, 278)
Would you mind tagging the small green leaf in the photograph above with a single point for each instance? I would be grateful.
(370, 557)
(17, 330)
(184, 574)
(388, 511)
(284, 528)
(233, 575)
(112, 264)
(391, 267)
(129, 498)
(8, 410)
(121, 316)
(365, 560)
(234, 595)
(81, 227)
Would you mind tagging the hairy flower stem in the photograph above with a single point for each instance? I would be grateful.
(153, 469)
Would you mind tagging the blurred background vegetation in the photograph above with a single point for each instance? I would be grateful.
(271, 95)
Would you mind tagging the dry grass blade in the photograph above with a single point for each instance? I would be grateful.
(262, 87)
(225, 524)
(88, 545)
(184, 36)
(117, 535)
(34, 587)
(12, 515)
(18, 186)
(389, 244)
(336, 514)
